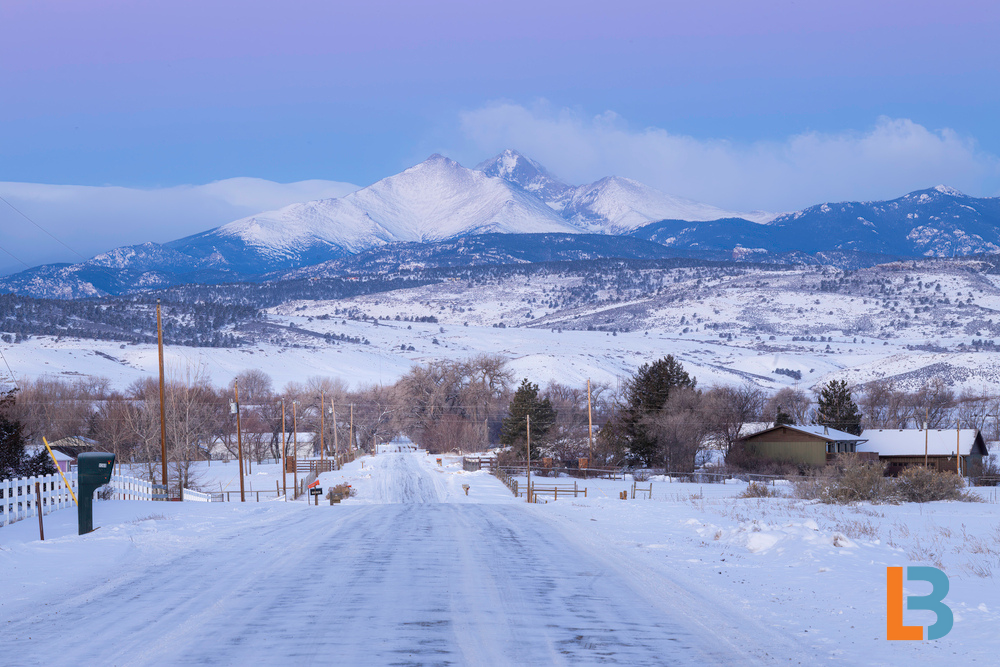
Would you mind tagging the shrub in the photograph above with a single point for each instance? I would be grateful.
(849, 480)
(759, 490)
(640, 475)
(923, 485)
(345, 491)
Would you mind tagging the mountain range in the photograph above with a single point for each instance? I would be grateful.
(511, 209)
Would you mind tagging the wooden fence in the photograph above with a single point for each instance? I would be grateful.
(555, 490)
(477, 463)
(520, 469)
(507, 479)
(234, 496)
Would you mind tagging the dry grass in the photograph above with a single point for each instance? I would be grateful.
(760, 490)
(856, 529)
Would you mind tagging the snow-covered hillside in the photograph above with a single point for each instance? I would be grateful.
(909, 323)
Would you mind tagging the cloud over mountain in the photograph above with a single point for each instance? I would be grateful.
(895, 155)
(91, 219)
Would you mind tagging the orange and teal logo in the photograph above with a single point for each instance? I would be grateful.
(895, 630)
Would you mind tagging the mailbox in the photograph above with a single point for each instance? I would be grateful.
(93, 471)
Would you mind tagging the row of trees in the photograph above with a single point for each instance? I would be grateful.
(659, 418)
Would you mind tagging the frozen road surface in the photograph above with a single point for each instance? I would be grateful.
(402, 577)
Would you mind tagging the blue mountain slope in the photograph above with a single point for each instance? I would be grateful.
(937, 222)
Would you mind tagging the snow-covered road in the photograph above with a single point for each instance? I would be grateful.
(402, 579)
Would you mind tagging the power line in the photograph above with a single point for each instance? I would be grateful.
(53, 236)
(14, 257)
(9, 370)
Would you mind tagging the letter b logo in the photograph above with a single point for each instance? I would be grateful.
(895, 630)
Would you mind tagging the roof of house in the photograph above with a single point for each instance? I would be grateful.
(75, 441)
(828, 434)
(60, 456)
(910, 441)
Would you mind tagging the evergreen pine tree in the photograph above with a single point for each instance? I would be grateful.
(837, 409)
(11, 447)
(38, 465)
(646, 392)
(514, 428)
(783, 418)
(14, 461)
(11, 440)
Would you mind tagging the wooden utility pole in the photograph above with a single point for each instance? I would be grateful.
(295, 444)
(352, 427)
(239, 438)
(163, 410)
(590, 429)
(958, 448)
(527, 496)
(322, 426)
(926, 434)
(284, 456)
(336, 443)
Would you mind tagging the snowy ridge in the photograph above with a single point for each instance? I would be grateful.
(435, 200)
(612, 205)
(616, 205)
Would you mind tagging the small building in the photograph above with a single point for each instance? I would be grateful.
(66, 450)
(811, 445)
(901, 448)
(64, 461)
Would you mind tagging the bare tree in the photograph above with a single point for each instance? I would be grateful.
(110, 428)
(679, 428)
(374, 406)
(793, 402)
(933, 403)
(728, 409)
(56, 408)
(885, 406)
(142, 418)
(192, 411)
(449, 405)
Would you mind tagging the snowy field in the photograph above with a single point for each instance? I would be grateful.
(411, 570)
(725, 329)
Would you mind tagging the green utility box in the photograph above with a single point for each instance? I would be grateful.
(93, 471)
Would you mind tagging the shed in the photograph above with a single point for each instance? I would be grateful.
(901, 448)
(812, 445)
(63, 460)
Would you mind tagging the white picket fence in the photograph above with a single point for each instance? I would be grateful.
(190, 495)
(17, 496)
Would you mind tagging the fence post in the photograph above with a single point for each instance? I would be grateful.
(38, 502)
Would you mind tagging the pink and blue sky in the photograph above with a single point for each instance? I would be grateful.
(742, 104)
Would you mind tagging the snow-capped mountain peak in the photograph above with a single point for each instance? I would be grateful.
(434, 200)
(529, 175)
(945, 190)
